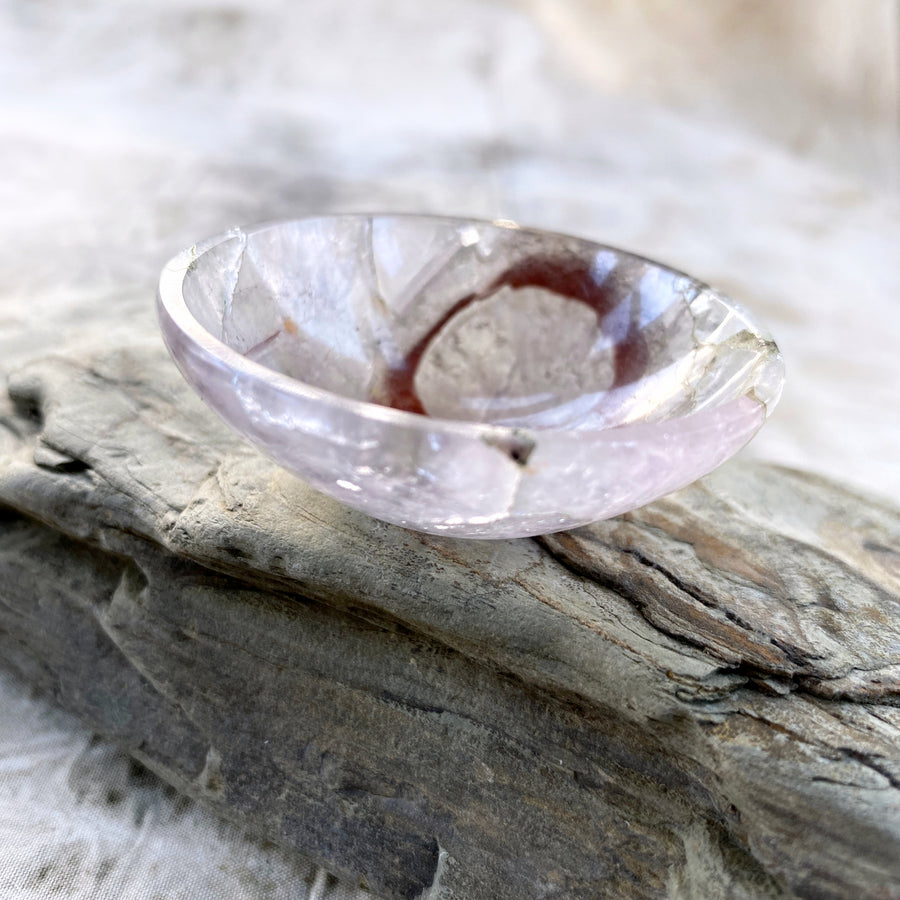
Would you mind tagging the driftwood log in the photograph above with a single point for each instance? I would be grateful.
(700, 699)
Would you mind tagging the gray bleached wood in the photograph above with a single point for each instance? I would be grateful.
(696, 699)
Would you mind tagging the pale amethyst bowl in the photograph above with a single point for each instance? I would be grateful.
(467, 378)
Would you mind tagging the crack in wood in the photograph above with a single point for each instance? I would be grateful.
(583, 700)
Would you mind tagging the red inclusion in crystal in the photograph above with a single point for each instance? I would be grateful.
(569, 276)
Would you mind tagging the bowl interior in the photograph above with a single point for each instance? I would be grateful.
(479, 322)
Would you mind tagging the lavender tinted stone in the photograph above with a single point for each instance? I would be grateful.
(463, 377)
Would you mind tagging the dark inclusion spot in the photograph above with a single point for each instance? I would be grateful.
(568, 275)
(518, 448)
(519, 454)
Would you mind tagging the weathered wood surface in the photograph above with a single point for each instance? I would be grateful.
(699, 699)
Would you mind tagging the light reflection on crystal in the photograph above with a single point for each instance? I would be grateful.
(538, 381)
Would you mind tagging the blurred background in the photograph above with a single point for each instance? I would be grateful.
(752, 143)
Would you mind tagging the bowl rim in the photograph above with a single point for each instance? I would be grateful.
(172, 304)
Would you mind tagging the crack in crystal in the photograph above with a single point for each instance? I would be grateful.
(231, 288)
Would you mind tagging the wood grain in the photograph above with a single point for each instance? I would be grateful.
(696, 699)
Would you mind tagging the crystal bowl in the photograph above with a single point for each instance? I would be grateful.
(466, 378)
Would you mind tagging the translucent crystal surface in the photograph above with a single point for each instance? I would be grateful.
(467, 378)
